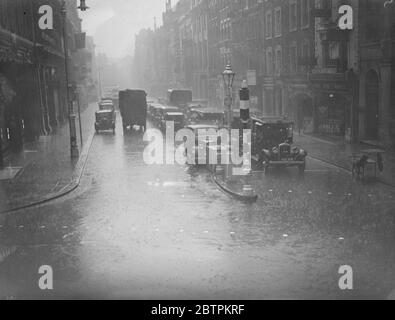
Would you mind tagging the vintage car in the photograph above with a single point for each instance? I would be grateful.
(205, 116)
(272, 140)
(197, 104)
(176, 116)
(106, 105)
(160, 114)
(105, 120)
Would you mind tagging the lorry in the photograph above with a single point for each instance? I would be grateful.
(133, 108)
(179, 98)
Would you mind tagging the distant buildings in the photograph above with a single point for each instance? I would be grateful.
(298, 62)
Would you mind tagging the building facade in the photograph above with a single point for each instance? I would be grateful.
(33, 99)
(332, 81)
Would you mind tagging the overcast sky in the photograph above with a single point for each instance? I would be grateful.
(113, 23)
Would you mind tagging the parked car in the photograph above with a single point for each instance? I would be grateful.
(272, 140)
(105, 120)
(133, 108)
(166, 114)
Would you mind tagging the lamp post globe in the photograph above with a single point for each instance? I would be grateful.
(83, 6)
(228, 76)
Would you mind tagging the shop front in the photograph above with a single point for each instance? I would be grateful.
(333, 107)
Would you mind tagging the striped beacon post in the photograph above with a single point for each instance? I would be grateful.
(244, 105)
(244, 121)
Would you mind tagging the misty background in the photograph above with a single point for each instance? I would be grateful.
(113, 24)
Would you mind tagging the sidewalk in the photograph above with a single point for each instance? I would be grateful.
(43, 168)
(339, 153)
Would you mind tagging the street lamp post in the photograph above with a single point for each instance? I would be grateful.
(228, 77)
(74, 151)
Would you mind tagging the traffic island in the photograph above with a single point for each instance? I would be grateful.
(235, 187)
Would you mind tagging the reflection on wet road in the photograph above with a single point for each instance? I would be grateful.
(138, 231)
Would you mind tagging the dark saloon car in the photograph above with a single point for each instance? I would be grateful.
(105, 120)
(272, 140)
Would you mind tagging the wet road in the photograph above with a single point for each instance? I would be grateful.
(163, 232)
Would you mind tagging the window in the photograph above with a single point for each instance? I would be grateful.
(278, 63)
(269, 24)
(333, 50)
(293, 56)
(305, 55)
(305, 13)
(374, 14)
(269, 61)
(293, 16)
(277, 22)
(331, 53)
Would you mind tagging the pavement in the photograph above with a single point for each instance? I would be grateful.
(44, 169)
(339, 153)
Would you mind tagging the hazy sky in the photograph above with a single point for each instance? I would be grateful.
(113, 23)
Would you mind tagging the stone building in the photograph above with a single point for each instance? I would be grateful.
(32, 69)
(376, 74)
(297, 60)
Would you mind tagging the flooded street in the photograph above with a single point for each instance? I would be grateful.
(148, 232)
